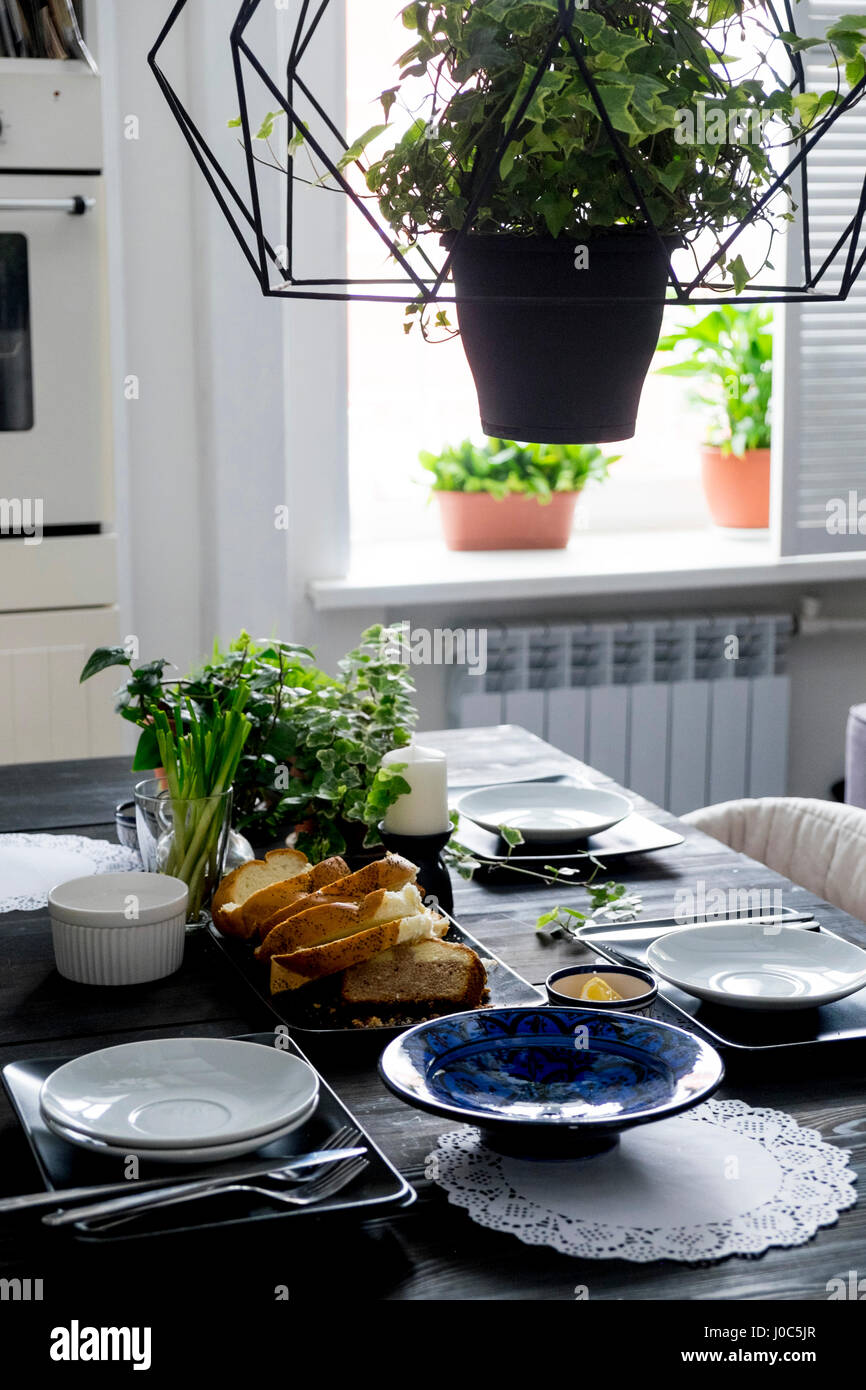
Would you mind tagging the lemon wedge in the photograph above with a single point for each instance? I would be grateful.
(598, 991)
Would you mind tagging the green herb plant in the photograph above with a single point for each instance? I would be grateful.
(729, 353)
(311, 762)
(502, 467)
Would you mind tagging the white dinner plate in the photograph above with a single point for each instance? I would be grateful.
(545, 811)
(179, 1093)
(214, 1153)
(753, 967)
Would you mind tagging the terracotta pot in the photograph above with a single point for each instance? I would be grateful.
(479, 521)
(737, 489)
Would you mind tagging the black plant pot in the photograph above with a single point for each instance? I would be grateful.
(553, 370)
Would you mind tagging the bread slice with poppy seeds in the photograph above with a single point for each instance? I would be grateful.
(260, 905)
(298, 968)
(329, 920)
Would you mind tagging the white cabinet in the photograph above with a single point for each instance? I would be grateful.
(45, 715)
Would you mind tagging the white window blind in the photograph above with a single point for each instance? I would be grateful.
(821, 362)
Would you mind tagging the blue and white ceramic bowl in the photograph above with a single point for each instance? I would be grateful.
(550, 1081)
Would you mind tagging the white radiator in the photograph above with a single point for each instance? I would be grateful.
(687, 712)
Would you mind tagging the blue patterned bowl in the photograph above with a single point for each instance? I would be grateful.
(550, 1081)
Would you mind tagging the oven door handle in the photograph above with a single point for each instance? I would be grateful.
(75, 207)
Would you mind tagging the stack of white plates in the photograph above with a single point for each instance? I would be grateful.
(179, 1100)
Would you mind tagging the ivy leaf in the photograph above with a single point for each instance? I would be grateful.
(101, 660)
(511, 835)
(739, 273)
(358, 147)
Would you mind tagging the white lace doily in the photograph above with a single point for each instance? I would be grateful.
(31, 864)
(724, 1179)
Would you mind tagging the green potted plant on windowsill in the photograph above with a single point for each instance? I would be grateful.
(730, 356)
(501, 495)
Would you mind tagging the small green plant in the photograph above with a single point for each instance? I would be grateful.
(730, 355)
(502, 467)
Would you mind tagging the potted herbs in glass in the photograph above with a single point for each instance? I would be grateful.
(729, 354)
(310, 768)
(501, 495)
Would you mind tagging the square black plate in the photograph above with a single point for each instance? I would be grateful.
(507, 988)
(60, 1164)
(634, 835)
(743, 1032)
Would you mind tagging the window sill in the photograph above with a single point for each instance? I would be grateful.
(594, 564)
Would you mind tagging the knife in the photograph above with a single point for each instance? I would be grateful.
(35, 1201)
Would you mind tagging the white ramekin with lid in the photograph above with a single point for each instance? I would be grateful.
(118, 929)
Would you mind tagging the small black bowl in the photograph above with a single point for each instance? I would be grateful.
(638, 987)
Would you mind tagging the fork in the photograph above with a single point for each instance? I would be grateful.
(170, 1193)
(327, 1185)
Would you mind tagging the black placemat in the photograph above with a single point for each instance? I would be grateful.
(61, 1165)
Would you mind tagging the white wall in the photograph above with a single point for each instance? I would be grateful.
(241, 397)
(153, 319)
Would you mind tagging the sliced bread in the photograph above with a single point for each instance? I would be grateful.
(326, 920)
(280, 865)
(441, 974)
(391, 872)
(297, 968)
(260, 905)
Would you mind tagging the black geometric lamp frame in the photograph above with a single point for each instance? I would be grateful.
(245, 217)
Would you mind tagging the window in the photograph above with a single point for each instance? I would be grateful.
(406, 395)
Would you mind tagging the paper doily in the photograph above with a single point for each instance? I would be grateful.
(31, 864)
(725, 1179)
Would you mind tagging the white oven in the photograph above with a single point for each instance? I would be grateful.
(55, 445)
(58, 583)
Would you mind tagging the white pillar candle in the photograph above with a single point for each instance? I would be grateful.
(423, 809)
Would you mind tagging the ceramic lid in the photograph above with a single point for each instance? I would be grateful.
(118, 900)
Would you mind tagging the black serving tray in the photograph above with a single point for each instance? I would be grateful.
(507, 989)
(742, 1033)
(378, 1188)
(633, 835)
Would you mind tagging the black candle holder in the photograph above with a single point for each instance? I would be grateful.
(426, 852)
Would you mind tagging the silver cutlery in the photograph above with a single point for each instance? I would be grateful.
(640, 926)
(123, 1209)
(340, 1145)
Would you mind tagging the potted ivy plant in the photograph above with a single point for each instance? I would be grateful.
(558, 216)
(729, 353)
(501, 495)
(310, 766)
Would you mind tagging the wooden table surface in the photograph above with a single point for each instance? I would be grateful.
(431, 1250)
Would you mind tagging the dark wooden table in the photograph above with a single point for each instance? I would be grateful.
(431, 1250)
